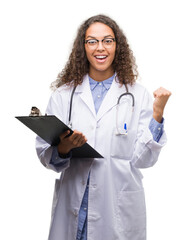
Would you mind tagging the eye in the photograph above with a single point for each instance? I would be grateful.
(108, 41)
(92, 42)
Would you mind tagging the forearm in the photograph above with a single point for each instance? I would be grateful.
(58, 159)
(158, 115)
(147, 150)
(45, 153)
(161, 96)
(150, 139)
(156, 129)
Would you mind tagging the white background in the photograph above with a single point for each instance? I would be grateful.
(36, 39)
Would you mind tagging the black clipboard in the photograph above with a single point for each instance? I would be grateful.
(50, 127)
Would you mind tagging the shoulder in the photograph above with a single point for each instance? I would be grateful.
(139, 89)
(141, 95)
(61, 92)
(59, 102)
(137, 86)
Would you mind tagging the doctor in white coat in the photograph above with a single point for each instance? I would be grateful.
(102, 198)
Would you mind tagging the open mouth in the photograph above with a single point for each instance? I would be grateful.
(100, 58)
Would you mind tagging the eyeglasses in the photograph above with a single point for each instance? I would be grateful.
(107, 42)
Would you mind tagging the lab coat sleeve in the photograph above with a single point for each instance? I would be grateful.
(43, 149)
(146, 149)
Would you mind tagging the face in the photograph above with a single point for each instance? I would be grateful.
(100, 56)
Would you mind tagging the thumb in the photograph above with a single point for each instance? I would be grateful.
(64, 134)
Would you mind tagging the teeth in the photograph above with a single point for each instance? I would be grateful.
(100, 57)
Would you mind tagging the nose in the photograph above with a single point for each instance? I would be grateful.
(100, 46)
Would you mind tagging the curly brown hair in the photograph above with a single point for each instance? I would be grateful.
(78, 66)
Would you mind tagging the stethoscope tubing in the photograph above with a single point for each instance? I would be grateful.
(70, 109)
(124, 94)
(72, 95)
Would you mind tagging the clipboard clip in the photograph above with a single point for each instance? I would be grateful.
(35, 112)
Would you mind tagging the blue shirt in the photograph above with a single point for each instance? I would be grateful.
(99, 90)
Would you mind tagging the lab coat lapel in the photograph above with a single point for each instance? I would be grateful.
(85, 94)
(111, 98)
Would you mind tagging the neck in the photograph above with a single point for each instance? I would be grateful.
(100, 76)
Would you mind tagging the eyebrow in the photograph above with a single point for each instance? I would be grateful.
(107, 36)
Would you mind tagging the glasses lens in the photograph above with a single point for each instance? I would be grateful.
(108, 42)
(92, 43)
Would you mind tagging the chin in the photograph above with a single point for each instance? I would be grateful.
(102, 68)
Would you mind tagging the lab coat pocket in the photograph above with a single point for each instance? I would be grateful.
(122, 146)
(55, 196)
(131, 211)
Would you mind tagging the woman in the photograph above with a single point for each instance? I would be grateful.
(102, 198)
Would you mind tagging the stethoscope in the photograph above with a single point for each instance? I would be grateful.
(121, 129)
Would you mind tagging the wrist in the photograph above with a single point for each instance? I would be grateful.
(62, 151)
(68, 155)
(158, 116)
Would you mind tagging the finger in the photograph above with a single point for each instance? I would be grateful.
(158, 92)
(75, 135)
(162, 92)
(168, 93)
(78, 140)
(83, 141)
(63, 135)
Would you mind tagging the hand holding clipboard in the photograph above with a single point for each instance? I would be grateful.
(50, 128)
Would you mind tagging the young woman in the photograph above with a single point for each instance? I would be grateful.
(102, 198)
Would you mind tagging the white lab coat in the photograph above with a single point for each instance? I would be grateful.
(116, 204)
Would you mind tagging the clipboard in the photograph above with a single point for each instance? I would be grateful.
(49, 128)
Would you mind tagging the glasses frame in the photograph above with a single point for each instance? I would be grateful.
(113, 39)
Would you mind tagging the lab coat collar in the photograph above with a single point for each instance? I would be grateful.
(86, 95)
(111, 98)
(106, 83)
(109, 101)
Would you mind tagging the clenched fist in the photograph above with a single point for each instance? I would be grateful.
(161, 96)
